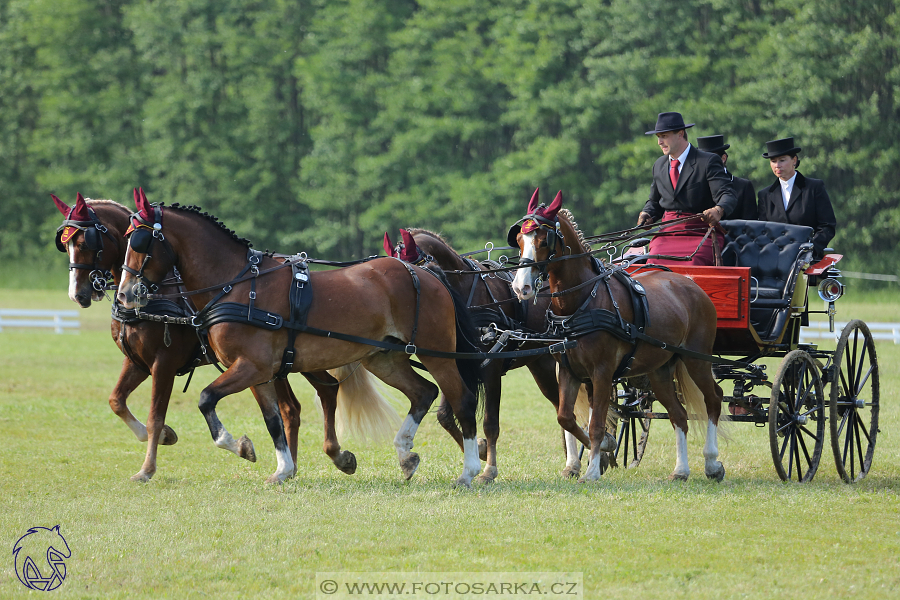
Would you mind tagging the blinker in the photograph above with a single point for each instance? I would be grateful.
(140, 240)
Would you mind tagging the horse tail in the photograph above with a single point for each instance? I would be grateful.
(467, 338)
(582, 407)
(362, 409)
(694, 401)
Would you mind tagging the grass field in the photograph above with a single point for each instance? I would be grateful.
(207, 526)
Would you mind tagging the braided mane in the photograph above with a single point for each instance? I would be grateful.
(212, 219)
(567, 215)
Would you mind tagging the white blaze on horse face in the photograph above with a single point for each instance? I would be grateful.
(125, 284)
(523, 283)
(73, 273)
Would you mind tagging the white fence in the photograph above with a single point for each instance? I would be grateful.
(819, 330)
(58, 320)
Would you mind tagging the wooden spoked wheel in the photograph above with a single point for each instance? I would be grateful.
(797, 418)
(854, 402)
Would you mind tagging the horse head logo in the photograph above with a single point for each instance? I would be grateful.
(40, 558)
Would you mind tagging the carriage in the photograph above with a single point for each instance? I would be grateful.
(763, 297)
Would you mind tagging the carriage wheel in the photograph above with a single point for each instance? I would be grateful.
(631, 435)
(797, 418)
(854, 403)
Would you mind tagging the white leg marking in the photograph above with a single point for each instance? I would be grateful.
(285, 464)
(681, 455)
(711, 451)
(471, 462)
(138, 428)
(226, 442)
(593, 472)
(403, 441)
(572, 460)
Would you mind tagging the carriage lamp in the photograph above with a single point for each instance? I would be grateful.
(830, 289)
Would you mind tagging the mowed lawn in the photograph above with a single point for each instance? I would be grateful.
(207, 525)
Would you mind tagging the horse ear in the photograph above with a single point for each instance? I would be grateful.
(62, 206)
(554, 206)
(533, 204)
(388, 245)
(408, 240)
(80, 210)
(137, 198)
(143, 206)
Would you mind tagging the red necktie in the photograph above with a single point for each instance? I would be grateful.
(673, 172)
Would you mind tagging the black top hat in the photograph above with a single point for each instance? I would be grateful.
(778, 148)
(713, 143)
(669, 121)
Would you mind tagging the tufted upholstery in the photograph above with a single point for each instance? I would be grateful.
(770, 249)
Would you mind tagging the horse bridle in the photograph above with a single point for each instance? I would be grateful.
(93, 238)
(141, 237)
(555, 239)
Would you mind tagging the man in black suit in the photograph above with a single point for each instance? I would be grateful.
(796, 199)
(743, 188)
(686, 181)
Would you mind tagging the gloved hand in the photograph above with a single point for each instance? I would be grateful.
(644, 219)
(713, 215)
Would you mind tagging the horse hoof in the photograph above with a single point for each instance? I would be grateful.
(488, 476)
(168, 436)
(409, 465)
(274, 478)
(141, 477)
(482, 448)
(718, 474)
(570, 472)
(462, 483)
(678, 477)
(608, 444)
(346, 462)
(604, 462)
(246, 449)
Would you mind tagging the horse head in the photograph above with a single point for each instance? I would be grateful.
(406, 250)
(91, 260)
(538, 238)
(148, 256)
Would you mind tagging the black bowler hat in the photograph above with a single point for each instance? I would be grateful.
(778, 148)
(669, 121)
(713, 143)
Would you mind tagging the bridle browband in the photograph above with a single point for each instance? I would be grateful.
(93, 231)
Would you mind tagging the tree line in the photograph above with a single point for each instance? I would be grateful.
(316, 125)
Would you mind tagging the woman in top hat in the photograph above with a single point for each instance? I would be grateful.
(796, 199)
(743, 188)
(686, 181)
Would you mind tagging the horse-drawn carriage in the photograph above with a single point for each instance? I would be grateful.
(698, 326)
(762, 296)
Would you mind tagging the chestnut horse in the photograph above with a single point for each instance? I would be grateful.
(680, 315)
(93, 237)
(378, 300)
(490, 300)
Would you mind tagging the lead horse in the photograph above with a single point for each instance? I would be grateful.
(93, 237)
(680, 315)
(379, 300)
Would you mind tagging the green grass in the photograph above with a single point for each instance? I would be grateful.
(207, 525)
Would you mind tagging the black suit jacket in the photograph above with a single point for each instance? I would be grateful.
(809, 205)
(746, 199)
(702, 184)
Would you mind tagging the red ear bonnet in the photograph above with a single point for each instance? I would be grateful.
(407, 251)
(546, 213)
(146, 211)
(77, 214)
(388, 245)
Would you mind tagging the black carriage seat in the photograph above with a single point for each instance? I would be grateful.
(775, 253)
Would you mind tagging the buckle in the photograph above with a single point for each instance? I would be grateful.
(410, 348)
(559, 347)
(253, 295)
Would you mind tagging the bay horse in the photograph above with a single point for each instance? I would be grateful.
(378, 300)
(680, 314)
(93, 237)
(490, 300)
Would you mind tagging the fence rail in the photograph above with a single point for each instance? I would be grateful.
(819, 330)
(58, 320)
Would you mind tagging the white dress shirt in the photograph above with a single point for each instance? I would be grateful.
(786, 188)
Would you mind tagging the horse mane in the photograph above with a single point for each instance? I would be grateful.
(437, 236)
(567, 215)
(212, 219)
(95, 202)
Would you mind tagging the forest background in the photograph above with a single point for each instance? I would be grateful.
(317, 125)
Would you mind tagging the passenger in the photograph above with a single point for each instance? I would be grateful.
(743, 188)
(796, 199)
(686, 181)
